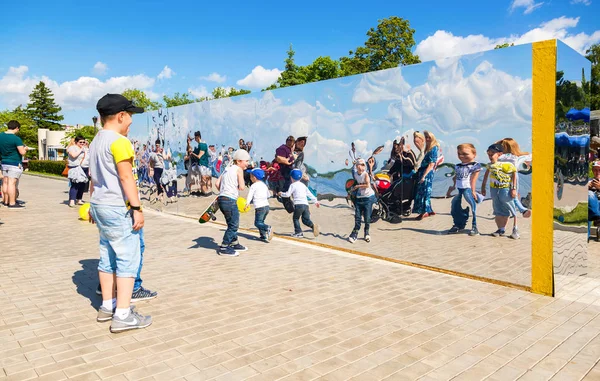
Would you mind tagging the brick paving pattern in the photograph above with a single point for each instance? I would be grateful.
(280, 311)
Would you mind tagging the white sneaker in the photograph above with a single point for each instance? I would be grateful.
(298, 235)
(368, 238)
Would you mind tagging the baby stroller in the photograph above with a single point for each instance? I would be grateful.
(393, 199)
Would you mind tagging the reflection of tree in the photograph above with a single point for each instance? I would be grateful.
(569, 95)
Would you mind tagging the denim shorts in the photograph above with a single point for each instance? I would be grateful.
(119, 244)
(12, 171)
(502, 202)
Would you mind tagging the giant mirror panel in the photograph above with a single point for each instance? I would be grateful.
(571, 167)
(402, 122)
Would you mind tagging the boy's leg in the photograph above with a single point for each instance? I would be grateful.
(368, 210)
(358, 211)
(138, 279)
(457, 211)
(306, 217)
(298, 211)
(469, 198)
(259, 221)
(226, 205)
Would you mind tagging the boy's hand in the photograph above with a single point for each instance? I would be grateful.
(483, 192)
(138, 220)
(451, 188)
(317, 204)
(513, 193)
(279, 194)
(90, 218)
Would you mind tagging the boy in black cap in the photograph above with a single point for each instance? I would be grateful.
(116, 210)
(503, 189)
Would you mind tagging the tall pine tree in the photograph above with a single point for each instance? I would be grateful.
(42, 109)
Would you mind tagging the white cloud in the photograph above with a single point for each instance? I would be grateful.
(166, 73)
(199, 92)
(260, 78)
(444, 44)
(584, 2)
(215, 77)
(379, 86)
(529, 5)
(83, 92)
(100, 68)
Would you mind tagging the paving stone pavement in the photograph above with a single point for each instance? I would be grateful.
(279, 311)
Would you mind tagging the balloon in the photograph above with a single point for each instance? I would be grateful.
(83, 211)
(241, 204)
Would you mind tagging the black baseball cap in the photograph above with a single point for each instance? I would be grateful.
(112, 104)
(496, 148)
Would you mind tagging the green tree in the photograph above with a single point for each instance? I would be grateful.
(292, 74)
(321, 69)
(220, 92)
(141, 99)
(568, 95)
(505, 45)
(178, 100)
(28, 130)
(87, 132)
(593, 54)
(387, 46)
(42, 109)
(272, 87)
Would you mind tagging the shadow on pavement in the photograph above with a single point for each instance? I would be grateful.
(86, 281)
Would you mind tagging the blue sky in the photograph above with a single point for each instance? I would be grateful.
(131, 45)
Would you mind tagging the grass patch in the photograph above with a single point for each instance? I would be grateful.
(577, 216)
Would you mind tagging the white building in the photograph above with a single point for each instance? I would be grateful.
(50, 146)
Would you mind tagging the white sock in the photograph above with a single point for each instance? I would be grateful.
(122, 313)
(109, 304)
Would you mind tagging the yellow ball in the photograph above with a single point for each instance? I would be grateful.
(241, 204)
(83, 211)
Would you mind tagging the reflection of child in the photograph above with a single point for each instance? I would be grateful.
(275, 178)
(365, 199)
(229, 184)
(259, 196)
(512, 154)
(300, 193)
(465, 180)
(503, 188)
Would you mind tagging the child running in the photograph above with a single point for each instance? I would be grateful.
(512, 153)
(365, 198)
(503, 188)
(259, 195)
(229, 184)
(465, 180)
(300, 194)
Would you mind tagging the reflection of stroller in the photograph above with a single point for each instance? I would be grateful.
(393, 200)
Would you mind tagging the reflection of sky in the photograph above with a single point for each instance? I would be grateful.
(478, 98)
(571, 63)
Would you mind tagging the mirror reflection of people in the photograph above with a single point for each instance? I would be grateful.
(422, 202)
(365, 198)
(285, 157)
(465, 180)
(594, 194)
(419, 140)
(299, 158)
(513, 154)
(503, 189)
(300, 194)
(12, 151)
(202, 156)
(157, 163)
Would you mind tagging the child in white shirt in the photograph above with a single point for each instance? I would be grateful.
(300, 194)
(259, 196)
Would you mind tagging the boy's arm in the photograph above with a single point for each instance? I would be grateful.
(240, 176)
(474, 177)
(250, 196)
(513, 187)
(90, 219)
(288, 193)
(125, 172)
(485, 177)
(218, 183)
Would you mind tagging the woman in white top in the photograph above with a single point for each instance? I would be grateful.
(76, 155)
(365, 198)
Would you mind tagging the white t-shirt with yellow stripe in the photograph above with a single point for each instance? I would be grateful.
(107, 149)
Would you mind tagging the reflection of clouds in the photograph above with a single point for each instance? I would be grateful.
(379, 86)
(451, 101)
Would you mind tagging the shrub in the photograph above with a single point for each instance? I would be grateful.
(47, 166)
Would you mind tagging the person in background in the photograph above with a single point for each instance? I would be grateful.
(77, 176)
(422, 203)
(12, 151)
